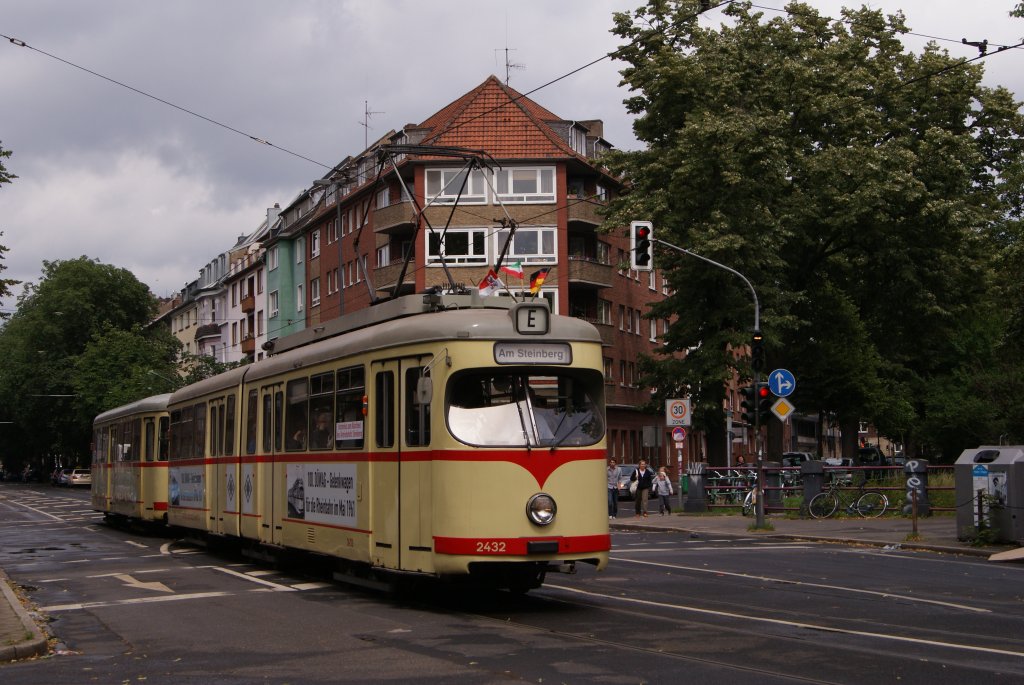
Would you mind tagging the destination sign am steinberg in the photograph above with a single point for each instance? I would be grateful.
(532, 353)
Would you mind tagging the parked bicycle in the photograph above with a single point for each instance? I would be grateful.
(866, 503)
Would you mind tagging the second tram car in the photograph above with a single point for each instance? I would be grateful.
(129, 460)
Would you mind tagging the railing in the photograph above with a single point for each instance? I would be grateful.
(249, 344)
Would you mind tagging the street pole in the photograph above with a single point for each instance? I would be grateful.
(758, 443)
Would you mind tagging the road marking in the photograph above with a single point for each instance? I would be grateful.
(138, 600)
(311, 586)
(275, 586)
(38, 511)
(790, 624)
(787, 581)
(155, 585)
(136, 544)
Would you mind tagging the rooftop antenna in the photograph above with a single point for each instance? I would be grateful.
(365, 123)
(509, 66)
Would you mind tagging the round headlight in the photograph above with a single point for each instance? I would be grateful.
(541, 509)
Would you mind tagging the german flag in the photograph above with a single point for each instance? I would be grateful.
(537, 279)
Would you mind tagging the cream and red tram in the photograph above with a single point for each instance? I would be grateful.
(129, 460)
(435, 435)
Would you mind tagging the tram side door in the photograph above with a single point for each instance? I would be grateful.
(399, 471)
(270, 484)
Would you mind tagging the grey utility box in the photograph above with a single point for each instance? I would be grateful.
(989, 484)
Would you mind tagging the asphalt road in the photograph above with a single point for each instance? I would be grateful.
(126, 606)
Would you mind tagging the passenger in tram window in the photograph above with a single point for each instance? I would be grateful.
(297, 440)
(322, 436)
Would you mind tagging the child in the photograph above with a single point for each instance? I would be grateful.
(662, 487)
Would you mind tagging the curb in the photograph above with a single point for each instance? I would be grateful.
(34, 646)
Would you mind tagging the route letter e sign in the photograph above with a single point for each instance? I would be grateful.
(677, 412)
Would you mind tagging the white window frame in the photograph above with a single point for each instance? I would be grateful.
(272, 303)
(300, 298)
(518, 250)
(442, 186)
(314, 292)
(314, 243)
(272, 258)
(453, 234)
(300, 251)
(543, 179)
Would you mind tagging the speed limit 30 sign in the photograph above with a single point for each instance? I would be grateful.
(677, 412)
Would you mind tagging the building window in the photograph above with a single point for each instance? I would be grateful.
(314, 243)
(525, 184)
(300, 298)
(607, 369)
(578, 140)
(383, 197)
(654, 330)
(259, 322)
(444, 186)
(622, 317)
(604, 312)
(272, 302)
(299, 247)
(530, 245)
(314, 292)
(601, 193)
(458, 246)
(272, 258)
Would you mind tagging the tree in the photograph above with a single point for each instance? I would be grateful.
(5, 177)
(859, 187)
(75, 302)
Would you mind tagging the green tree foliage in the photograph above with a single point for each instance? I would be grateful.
(5, 177)
(75, 305)
(861, 188)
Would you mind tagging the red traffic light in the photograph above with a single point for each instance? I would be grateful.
(762, 391)
(643, 232)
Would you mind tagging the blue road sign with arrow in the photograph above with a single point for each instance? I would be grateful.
(781, 382)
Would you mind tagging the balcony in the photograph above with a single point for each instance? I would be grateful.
(585, 211)
(584, 271)
(606, 330)
(399, 216)
(248, 304)
(249, 344)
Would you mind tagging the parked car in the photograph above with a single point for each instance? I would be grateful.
(79, 477)
(625, 471)
(838, 469)
(872, 456)
(794, 460)
(58, 473)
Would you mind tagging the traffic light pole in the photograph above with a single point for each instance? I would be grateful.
(758, 443)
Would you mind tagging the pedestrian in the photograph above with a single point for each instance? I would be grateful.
(613, 489)
(643, 477)
(662, 489)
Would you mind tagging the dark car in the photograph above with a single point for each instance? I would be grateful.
(794, 460)
(625, 471)
(872, 456)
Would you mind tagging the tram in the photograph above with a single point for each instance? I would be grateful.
(442, 436)
(129, 460)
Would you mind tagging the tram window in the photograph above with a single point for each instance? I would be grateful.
(200, 431)
(164, 438)
(321, 411)
(349, 421)
(136, 439)
(417, 416)
(214, 431)
(384, 416)
(252, 405)
(147, 454)
(229, 427)
(296, 417)
(268, 422)
(278, 424)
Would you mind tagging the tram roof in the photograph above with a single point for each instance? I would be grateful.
(431, 319)
(147, 404)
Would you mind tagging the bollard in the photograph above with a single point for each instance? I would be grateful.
(812, 473)
(917, 486)
(772, 485)
(696, 497)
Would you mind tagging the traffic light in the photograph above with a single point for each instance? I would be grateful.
(748, 404)
(764, 403)
(641, 250)
(757, 351)
(756, 404)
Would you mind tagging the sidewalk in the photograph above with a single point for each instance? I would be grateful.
(20, 637)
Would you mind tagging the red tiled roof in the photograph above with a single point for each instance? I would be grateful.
(499, 120)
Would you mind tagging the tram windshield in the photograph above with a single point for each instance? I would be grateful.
(526, 410)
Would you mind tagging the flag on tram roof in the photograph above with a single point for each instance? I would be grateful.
(491, 284)
(537, 279)
(514, 269)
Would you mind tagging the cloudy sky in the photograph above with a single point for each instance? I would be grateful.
(117, 176)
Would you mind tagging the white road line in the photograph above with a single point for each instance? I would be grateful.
(136, 544)
(311, 586)
(38, 511)
(791, 624)
(276, 586)
(787, 581)
(140, 600)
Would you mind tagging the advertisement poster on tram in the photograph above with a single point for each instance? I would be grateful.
(322, 493)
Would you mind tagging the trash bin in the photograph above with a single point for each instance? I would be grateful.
(989, 487)
(696, 497)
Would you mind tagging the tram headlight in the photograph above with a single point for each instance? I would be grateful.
(541, 509)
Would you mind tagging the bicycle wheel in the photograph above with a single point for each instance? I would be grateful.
(749, 503)
(872, 504)
(823, 505)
